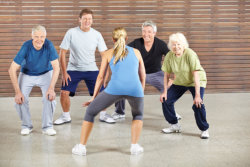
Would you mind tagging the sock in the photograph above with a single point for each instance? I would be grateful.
(134, 145)
(81, 145)
(66, 114)
(102, 113)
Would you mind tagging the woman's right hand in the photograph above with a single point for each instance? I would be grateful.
(65, 79)
(163, 97)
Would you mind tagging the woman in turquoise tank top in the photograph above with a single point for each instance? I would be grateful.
(127, 81)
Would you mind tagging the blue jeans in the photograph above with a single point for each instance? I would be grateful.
(174, 93)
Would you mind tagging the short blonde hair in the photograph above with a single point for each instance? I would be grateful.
(178, 37)
(38, 28)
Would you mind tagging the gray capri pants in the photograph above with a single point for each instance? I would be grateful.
(104, 100)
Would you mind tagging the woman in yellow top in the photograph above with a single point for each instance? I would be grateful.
(189, 75)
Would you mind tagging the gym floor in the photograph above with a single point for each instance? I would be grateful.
(229, 144)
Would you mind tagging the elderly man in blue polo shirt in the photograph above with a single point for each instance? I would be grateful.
(39, 64)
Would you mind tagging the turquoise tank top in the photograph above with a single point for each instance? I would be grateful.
(125, 78)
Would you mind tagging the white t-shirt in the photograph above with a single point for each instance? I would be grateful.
(82, 46)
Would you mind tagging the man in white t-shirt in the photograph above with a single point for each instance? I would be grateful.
(82, 42)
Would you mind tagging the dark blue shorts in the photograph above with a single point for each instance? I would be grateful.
(76, 76)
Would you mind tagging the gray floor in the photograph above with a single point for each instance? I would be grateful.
(229, 143)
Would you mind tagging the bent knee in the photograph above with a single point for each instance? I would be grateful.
(64, 93)
(168, 102)
(90, 115)
(137, 115)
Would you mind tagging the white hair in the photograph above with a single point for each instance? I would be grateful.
(38, 28)
(151, 24)
(178, 37)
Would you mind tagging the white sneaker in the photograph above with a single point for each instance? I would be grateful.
(26, 131)
(79, 149)
(178, 116)
(50, 132)
(174, 128)
(62, 120)
(204, 134)
(136, 149)
(116, 116)
(106, 118)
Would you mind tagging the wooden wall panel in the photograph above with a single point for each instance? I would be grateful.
(218, 30)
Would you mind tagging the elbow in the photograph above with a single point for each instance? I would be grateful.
(144, 76)
(56, 66)
(56, 69)
(10, 70)
(100, 79)
(60, 60)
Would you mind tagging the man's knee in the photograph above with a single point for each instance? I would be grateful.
(64, 94)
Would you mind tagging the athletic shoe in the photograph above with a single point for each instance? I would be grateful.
(79, 149)
(49, 132)
(174, 128)
(106, 118)
(116, 116)
(204, 134)
(62, 120)
(178, 116)
(136, 149)
(26, 131)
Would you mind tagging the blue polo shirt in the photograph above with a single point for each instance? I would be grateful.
(36, 62)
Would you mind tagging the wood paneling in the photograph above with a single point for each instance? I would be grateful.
(218, 30)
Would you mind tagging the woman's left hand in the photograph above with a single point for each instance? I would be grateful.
(87, 103)
(198, 101)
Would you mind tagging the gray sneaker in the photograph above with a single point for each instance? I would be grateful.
(49, 132)
(174, 128)
(79, 149)
(116, 116)
(136, 149)
(204, 134)
(107, 118)
(62, 120)
(26, 131)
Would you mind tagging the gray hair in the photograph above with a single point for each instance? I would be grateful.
(151, 24)
(179, 37)
(38, 28)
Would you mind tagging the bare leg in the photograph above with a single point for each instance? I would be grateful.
(65, 100)
(136, 130)
(86, 129)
